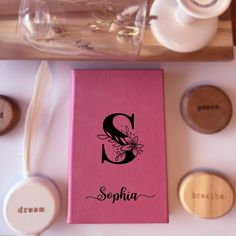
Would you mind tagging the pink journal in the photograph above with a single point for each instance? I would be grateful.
(117, 163)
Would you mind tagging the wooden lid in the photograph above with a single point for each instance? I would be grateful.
(206, 194)
(206, 109)
(9, 114)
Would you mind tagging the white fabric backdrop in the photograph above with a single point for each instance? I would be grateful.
(187, 150)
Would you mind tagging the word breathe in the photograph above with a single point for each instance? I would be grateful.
(123, 195)
(208, 107)
(30, 210)
(208, 196)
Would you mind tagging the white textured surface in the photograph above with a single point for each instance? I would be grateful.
(187, 150)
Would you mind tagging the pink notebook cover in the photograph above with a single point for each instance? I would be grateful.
(117, 163)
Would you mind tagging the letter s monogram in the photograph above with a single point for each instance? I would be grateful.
(115, 134)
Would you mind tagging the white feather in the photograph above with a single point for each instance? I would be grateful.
(38, 117)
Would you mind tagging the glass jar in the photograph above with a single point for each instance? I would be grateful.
(104, 28)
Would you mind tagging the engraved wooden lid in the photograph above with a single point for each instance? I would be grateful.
(206, 109)
(206, 194)
(9, 114)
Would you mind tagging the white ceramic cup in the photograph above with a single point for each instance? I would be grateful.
(189, 11)
(192, 24)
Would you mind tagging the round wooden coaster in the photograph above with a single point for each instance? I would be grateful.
(206, 194)
(206, 109)
(9, 114)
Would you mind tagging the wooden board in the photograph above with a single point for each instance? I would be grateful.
(233, 14)
(12, 45)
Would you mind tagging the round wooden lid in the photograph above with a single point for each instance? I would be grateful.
(206, 109)
(9, 114)
(206, 194)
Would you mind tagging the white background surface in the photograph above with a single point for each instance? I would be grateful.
(187, 150)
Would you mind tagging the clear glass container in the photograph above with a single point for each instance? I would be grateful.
(105, 28)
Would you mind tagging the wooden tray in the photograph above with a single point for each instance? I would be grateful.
(12, 46)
